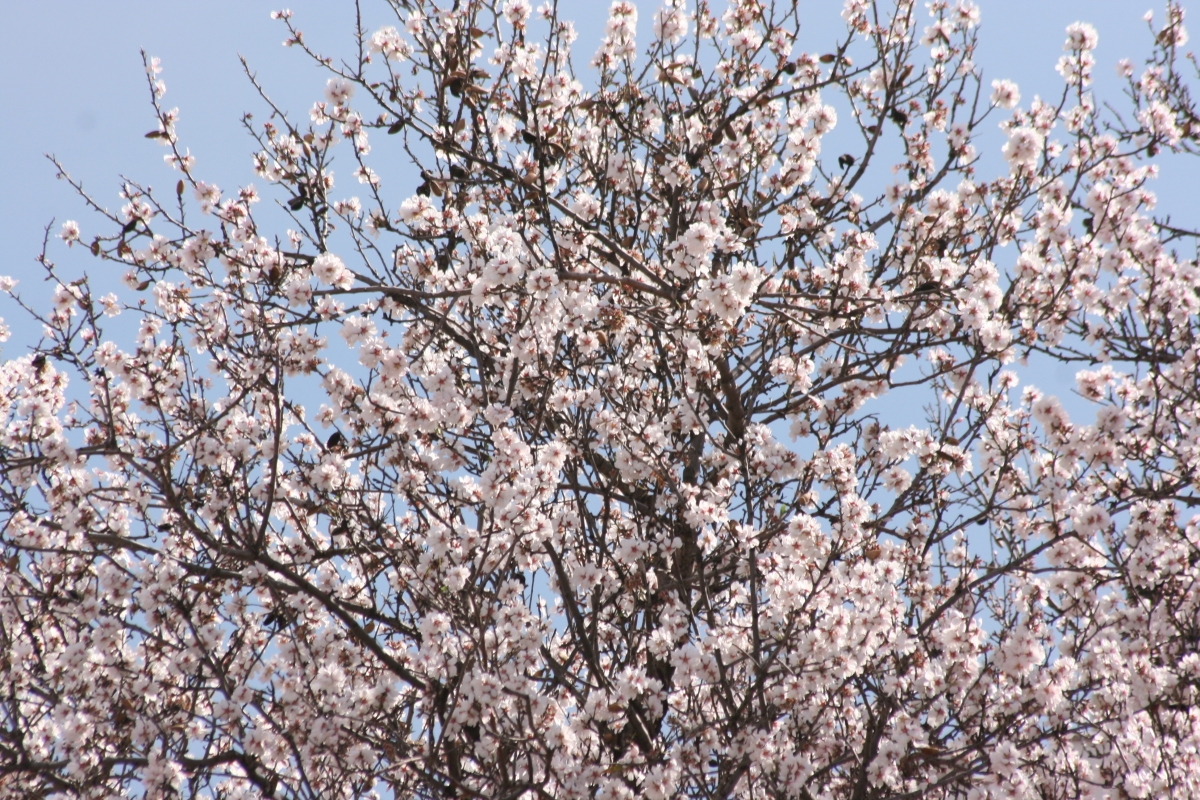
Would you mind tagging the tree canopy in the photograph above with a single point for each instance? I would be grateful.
(577, 470)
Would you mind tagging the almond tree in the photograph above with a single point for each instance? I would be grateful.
(583, 471)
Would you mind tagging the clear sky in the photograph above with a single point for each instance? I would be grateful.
(74, 86)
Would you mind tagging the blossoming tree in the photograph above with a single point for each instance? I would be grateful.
(578, 468)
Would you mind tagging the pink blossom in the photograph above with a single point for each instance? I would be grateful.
(330, 270)
(339, 91)
(69, 233)
(1024, 147)
(1005, 94)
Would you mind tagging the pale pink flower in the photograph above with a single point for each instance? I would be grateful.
(517, 12)
(69, 232)
(1024, 147)
(330, 270)
(339, 91)
(1005, 94)
(699, 240)
(391, 44)
(1081, 36)
(671, 23)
